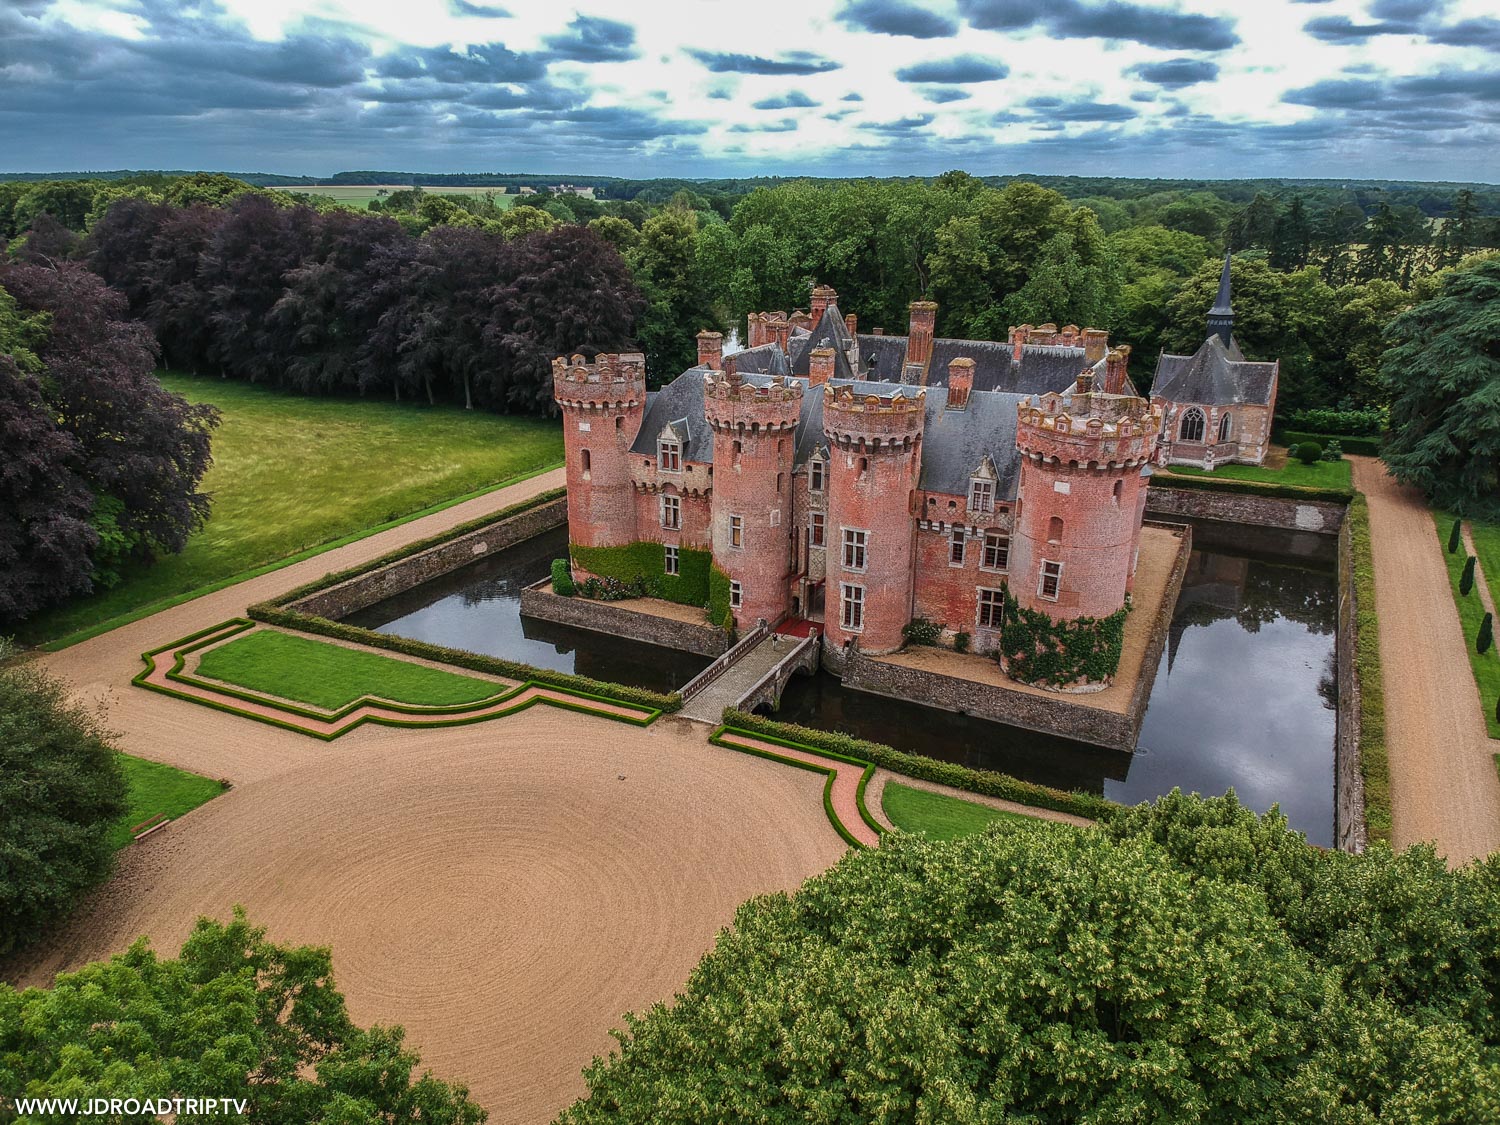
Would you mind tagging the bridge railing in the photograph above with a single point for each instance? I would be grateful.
(724, 661)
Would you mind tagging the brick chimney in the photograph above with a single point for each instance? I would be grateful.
(851, 322)
(820, 366)
(1095, 344)
(822, 297)
(779, 329)
(877, 331)
(800, 319)
(756, 330)
(919, 335)
(1116, 366)
(1018, 338)
(960, 382)
(710, 349)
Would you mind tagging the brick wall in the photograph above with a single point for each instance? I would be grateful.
(1322, 516)
(618, 620)
(1349, 783)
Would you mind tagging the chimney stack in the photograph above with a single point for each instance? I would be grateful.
(710, 349)
(800, 319)
(1018, 339)
(851, 322)
(756, 330)
(779, 329)
(820, 366)
(1116, 367)
(1095, 344)
(877, 331)
(1085, 382)
(919, 335)
(822, 297)
(960, 382)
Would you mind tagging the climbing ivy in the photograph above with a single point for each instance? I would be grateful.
(1038, 650)
(647, 562)
(718, 599)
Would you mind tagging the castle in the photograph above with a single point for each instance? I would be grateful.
(864, 481)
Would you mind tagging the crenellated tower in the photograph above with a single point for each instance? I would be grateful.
(875, 447)
(755, 438)
(1078, 516)
(602, 405)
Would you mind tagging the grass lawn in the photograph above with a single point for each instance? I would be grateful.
(1471, 612)
(358, 196)
(155, 788)
(1320, 474)
(331, 676)
(937, 815)
(291, 473)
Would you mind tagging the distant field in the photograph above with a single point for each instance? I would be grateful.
(358, 196)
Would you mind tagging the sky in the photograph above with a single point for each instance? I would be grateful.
(1394, 89)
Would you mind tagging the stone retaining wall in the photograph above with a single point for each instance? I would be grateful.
(397, 577)
(1322, 516)
(1349, 833)
(617, 619)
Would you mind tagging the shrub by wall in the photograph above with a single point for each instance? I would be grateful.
(1369, 446)
(562, 579)
(1039, 650)
(920, 631)
(987, 782)
(1373, 762)
(1340, 423)
(648, 561)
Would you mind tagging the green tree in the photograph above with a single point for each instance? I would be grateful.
(233, 1016)
(1291, 238)
(1466, 579)
(62, 790)
(1254, 226)
(615, 231)
(679, 303)
(1444, 373)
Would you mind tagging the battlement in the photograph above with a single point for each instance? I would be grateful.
(729, 402)
(1093, 341)
(1087, 427)
(613, 379)
(853, 417)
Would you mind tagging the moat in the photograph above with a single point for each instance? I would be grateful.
(1244, 696)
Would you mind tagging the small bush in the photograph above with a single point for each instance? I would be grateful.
(961, 642)
(1333, 451)
(920, 631)
(1466, 579)
(562, 578)
(1308, 452)
(1366, 446)
(1455, 537)
(1486, 633)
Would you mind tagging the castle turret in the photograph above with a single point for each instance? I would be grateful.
(875, 445)
(1078, 518)
(602, 406)
(755, 436)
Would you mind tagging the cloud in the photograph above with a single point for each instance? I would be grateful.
(897, 17)
(960, 70)
(941, 95)
(793, 99)
(1483, 32)
(1173, 73)
(1059, 109)
(477, 11)
(592, 39)
(899, 127)
(791, 62)
(1112, 19)
(852, 96)
(483, 62)
(785, 125)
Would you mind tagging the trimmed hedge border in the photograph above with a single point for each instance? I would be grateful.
(1251, 487)
(1364, 446)
(986, 782)
(278, 613)
(1374, 764)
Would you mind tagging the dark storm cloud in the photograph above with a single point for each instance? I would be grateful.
(1173, 73)
(792, 99)
(897, 17)
(960, 70)
(791, 62)
(591, 39)
(1112, 19)
(625, 123)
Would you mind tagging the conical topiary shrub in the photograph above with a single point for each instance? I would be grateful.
(1486, 633)
(1455, 537)
(1466, 579)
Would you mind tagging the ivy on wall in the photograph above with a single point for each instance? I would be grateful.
(719, 612)
(647, 561)
(1039, 650)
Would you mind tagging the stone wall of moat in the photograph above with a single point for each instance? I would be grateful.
(1322, 516)
(619, 620)
(1349, 833)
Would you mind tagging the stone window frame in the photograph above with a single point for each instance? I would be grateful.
(958, 546)
(817, 530)
(852, 607)
(1226, 426)
(586, 459)
(1002, 545)
(671, 512)
(1193, 414)
(817, 475)
(669, 455)
(855, 548)
(737, 532)
(995, 604)
(671, 561)
(1053, 569)
(981, 494)
(736, 594)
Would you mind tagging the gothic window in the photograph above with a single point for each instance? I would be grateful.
(736, 531)
(956, 540)
(669, 456)
(854, 548)
(1054, 529)
(1051, 580)
(854, 608)
(991, 606)
(815, 475)
(981, 496)
(815, 529)
(672, 565)
(1191, 428)
(671, 513)
(1226, 427)
(996, 550)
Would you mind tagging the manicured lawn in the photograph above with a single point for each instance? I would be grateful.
(156, 788)
(291, 473)
(937, 815)
(1471, 612)
(331, 676)
(1320, 474)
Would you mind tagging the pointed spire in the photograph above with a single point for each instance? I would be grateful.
(1221, 316)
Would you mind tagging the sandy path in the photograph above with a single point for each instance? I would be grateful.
(843, 795)
(496, 888)
(1444, 786)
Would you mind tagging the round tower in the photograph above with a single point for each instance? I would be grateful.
(602, 406)
(755, 437)
(875, 445)
(1078, 515)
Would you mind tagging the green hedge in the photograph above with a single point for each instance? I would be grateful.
(1369, 446)
(1040, 650)
(986, 782)
(648, 560)
(1339, 423)
(562, 579)
(1374, 764)
(1251, 487)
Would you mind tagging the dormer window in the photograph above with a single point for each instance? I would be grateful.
(981, 495)
(669, 455)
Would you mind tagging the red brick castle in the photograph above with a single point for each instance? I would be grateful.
(866, 481)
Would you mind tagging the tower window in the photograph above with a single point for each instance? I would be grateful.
(854, 608)
(736, 531)
(1119, 491)
(991, 608)
(815, 476)
(996, 551)
(588, 462)
(1054, 529)
(815, 529)
(864, 465)
(1191, 428)
(736, 595)
(671, 513)
(854, 548)
(981, 496)
(671, 565)
(956, 542)
(669, 456)
(1051, 581)
(780, 482)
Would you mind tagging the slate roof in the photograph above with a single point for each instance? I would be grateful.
(830, 332)
(1215, 375)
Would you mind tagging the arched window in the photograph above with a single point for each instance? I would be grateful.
(587, 461)
(1192, 426)
(1226, 427)
(1119, 491)
(1054, 529)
